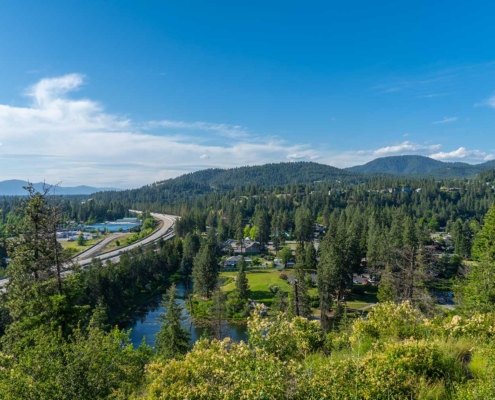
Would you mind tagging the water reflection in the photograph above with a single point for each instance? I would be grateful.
(145, 322)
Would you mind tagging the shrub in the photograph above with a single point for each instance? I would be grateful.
(389, 320)
(274, 288)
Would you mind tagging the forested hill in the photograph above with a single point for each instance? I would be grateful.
(265, 175)
(210, 180)
(419, 165)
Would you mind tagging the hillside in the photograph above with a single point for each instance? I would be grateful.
(210, 180)
(14, 187)
(265, 175)
(420, 165)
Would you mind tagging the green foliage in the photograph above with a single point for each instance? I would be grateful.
(81, 241)
(285, 255)
(172, 340)
(205, 270)
(86, 365)
(288, 340)
(477, 291)
(241, 282)
(220, 370)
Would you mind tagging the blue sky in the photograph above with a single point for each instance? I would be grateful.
(130, 92)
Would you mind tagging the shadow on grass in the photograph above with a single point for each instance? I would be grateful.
(369, 295)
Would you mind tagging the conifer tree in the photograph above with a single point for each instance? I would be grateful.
(241, 283)
(310, 260)
(477, 291)
(218, 312)
(300, 293)
(205, 269)
(172, 340)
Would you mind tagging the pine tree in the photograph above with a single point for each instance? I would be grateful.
(280, 302)
(300, 295)
(262, 223)
(239, 229)
(310, 260)
(190, 249)
(36, 295)
(81, 241)
(303, 225)
(477, 291)
(205, 270)
(172, 340)
(218, 313)
(241, 283)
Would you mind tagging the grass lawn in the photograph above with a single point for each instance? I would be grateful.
(259, 283)
(74, 248)
(113, 244)
(357, 301)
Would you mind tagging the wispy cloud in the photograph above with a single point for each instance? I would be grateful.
(433, 151)
(87, 145)
(463, 153)
(295, 156)
(432, 95)
(405, 148)
(233, 131)
(490, 102)
(445, 120)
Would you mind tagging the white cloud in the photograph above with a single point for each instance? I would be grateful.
(445, 120)
(75, 141)
(234, 131)
(295, 156)
(405, 148)
(490, 102)
(462, 153)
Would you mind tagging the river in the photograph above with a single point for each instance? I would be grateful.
(145, 322)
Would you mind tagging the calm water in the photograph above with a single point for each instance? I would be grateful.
(145, 323)
(111, 227)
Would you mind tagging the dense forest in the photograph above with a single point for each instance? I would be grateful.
(421, 166)
(58, 334)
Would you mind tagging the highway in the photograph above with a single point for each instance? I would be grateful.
(166, 231)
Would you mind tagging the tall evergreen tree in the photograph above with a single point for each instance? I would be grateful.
(477, 291)
(262, 222)
(172, 340)
(300, 293)
(303, 230)
(241, 283)
(310, 259)
(205, 270)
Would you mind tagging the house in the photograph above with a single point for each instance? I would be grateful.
(252, 248)
(406, 189)
(319, 228)
(231, 262)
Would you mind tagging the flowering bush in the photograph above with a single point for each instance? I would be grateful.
(222, 370)
(478, 326)
(286, 339)
(389, 320)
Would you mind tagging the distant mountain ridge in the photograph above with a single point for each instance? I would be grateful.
(420, 165)
(264, 175)
(14, 187)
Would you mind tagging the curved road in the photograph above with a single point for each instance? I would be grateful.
(166, 232)
(167, 221)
